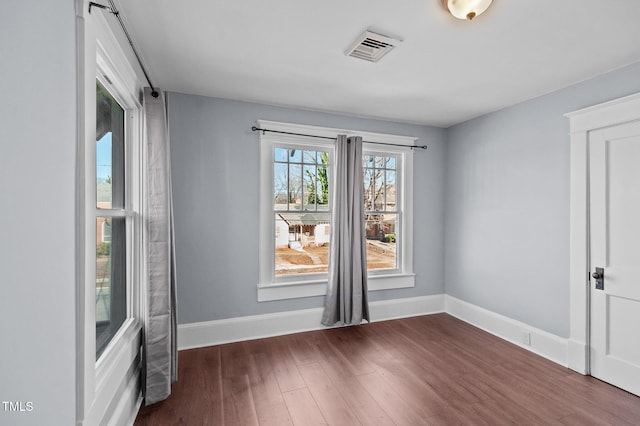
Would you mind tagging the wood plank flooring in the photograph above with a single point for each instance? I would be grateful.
(429, 370)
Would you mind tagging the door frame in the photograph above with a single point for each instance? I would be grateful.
(581, 122)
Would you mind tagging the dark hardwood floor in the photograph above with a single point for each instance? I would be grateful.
(434, 370)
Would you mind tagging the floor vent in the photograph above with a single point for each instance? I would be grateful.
(371, 46)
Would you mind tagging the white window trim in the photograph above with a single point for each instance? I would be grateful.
(316, 285)
(124, 95)
(100, 54)
(403, 249)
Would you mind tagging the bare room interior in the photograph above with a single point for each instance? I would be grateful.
(345, 213)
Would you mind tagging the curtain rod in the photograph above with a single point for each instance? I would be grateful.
(112, 9)
(255, 129)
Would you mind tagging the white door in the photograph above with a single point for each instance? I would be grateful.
(614, 181)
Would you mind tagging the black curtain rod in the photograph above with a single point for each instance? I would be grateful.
(112, 9)
(255, 129)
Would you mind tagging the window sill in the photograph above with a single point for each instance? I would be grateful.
(128, 332)
(294, 290)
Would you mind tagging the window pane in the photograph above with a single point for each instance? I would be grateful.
(380, 230)
(301, 243)
(322, 188)
(295, 155)
(378, 190)
(280, 184)
(111, 294)
(368, 189)
(295, 186)
(323, 180)
(390, 190)
(109, 150)
(310, 187)
(280, 154)
(309, 157)
(391, 162)
(368, 161)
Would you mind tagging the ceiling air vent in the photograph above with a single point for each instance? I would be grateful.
(371, 46)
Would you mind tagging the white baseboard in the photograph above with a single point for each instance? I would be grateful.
(541, 342)
(577, 357)
(403, 308)
(200, 334)
(217, 332)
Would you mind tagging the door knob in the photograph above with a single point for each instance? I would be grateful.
(598, 275)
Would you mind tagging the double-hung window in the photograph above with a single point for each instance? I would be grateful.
(113, 183)
(301, 209)
(110, 206)
(111, 218)
(295, 210)
(382, 210)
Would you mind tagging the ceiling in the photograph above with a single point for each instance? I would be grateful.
(445, 71)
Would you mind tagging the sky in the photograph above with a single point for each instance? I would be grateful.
(103, 157)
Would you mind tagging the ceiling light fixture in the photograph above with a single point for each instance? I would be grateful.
(466, 9)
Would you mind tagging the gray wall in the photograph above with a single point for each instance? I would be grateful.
(215, 161)
(37, 183)
(507, 203)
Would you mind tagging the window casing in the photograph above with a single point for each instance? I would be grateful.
(388, 212)
(104, 380)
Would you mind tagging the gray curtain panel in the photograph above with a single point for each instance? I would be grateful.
(346, 300)
(160, 330)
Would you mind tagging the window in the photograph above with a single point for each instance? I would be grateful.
(111, 218)
(295, 211)
(301, 209)
(110, 231)
(381, 209)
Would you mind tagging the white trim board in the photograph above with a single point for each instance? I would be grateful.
(229, 330)
(540, 342)
(582, 122)
(201, 334)
(605, 114)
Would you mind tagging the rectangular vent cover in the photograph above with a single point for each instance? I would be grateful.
(371, 46)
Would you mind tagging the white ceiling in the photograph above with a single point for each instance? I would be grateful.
(291, 52)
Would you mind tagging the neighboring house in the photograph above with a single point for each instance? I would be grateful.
(308, 229)
(103, 228)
